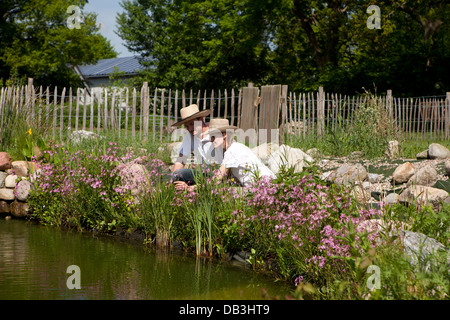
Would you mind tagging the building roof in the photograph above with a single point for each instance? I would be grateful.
(103, 68)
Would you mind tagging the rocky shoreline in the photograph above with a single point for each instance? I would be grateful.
(423, 180)
(15, 185)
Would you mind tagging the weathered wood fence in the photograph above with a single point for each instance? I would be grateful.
(145, 113)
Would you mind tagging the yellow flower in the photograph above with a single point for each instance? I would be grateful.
(29, 132)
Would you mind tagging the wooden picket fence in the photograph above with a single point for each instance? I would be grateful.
(147, 114)
(415, 118)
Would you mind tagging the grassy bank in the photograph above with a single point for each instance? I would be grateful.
(304, 230)
(300, 228)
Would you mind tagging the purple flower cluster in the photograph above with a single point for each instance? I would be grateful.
(99, 173)
(310, 215)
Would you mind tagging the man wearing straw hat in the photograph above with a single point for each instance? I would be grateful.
(194, 141)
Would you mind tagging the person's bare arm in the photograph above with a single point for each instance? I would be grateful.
(179, 163)
(222, 172)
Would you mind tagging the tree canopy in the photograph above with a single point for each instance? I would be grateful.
(37, 41)
(304, 44)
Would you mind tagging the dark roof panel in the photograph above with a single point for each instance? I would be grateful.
(103, 68)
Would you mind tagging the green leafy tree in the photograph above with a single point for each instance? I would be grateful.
(198, 44)
(304, 44)
(38, 40)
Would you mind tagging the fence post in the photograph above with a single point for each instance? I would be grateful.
(55, 107)
(28, 92)
(61, 115)
(447, 115)
(320, 111)
(146, 110)
(2, 98)
(389, 102)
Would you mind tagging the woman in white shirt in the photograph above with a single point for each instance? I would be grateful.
(244, 165)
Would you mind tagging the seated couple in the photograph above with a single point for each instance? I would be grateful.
(212, 143)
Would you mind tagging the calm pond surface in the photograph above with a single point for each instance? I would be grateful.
(34, 261)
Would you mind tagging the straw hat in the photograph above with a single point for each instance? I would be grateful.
(189, 113)
(221, 125)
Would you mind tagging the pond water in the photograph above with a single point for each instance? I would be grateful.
(34, 262)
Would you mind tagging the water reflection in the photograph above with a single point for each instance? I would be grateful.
(34, 261)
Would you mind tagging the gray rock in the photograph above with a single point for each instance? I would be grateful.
(348, 174)
(242, 257)
(10, 181)
(437, 151)
(391, 198)
(288, 157)
(7, 194)
(425, 176)
(424, 195)
(422, 250)
(3, 176)
(422, 155)
(23, 189)
(374, 177)
(366, 185)
(134, 177)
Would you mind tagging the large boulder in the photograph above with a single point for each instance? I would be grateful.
(425, 176)
(374, 177)
(288, 158)
(5, 161)
(19, 209)
(10, 181)
(23, 189)
(424, 195)
(422, 251)
(422, 155)
(391, 198)
(348, 174)
(265, 150)
(22, 168)
(403, 173)
(437, 151)
(134, 177)
(7, 194)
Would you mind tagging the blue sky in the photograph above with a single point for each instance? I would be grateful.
(106, 11)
